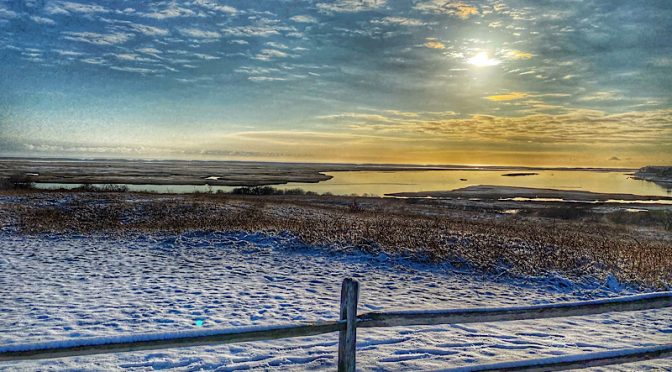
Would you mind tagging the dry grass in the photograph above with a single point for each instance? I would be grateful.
(517, 244)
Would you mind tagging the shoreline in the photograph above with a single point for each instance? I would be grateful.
(659, 175)
(491, 192)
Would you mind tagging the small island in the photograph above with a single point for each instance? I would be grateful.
(519, 174)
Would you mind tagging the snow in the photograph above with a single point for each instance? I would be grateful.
(65, 287)
(565, 359)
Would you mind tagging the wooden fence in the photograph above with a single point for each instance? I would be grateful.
(350, 321)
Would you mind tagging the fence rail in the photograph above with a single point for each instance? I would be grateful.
(350, 321)
(505, 314)
(155, 341)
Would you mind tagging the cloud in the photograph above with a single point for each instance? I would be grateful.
(578, 126)
(42, 20)
(98, 39)
(350, 6)
(276, 45)
(149, 30)
(303, 19)
(172, 11)
(6, 13)
(258, 31)
(256, 70)
(149, 50)
(399, 21)
(661, 61)
(268, 54)
(68, 53)
(517, 54)
(602, 96)
(356, 117)
(75, 148)
(198, 33)
(94, 61)
(452, 8)
(131, 57)
(127, 56)
(265, 78)
(512, 96)
(137, 70)
(204, 56)
(434, 44)
(213, 5)
(67, 8)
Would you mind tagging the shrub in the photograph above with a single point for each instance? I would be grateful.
(16, 182)
(296, 191)
(114, 188)
(255, 190)
(87, 187)
(571, 212)
(666, 218)
(355, 207)
(646, 218)
(5, 184)
(266, 190)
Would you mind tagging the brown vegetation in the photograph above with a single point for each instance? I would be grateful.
(490, 242)
(16, 182)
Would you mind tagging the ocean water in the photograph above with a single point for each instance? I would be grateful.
(381, 183)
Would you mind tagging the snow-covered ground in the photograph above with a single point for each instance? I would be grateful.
(62, 287)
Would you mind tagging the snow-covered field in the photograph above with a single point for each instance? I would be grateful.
(62, 287)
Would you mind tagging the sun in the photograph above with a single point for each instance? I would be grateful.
(482, 60)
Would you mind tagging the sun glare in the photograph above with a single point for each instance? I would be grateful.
(482, 60)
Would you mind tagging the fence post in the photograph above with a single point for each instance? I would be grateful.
(347, 339)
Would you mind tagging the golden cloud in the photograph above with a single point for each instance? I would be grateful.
(507, 96)
(434, 44)
(453, 8)
(577, 126)
(518, 54)
(464, 11)
(578, 137)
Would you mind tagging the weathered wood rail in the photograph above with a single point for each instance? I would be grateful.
(350, 321)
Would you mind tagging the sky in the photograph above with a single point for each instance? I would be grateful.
(502, 82)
